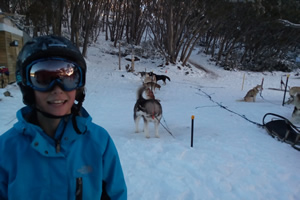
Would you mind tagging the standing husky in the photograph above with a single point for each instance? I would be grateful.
(149, 77)
(152, 85)
(295, 100)
(149, 109)
(294, 91)
(161, 77)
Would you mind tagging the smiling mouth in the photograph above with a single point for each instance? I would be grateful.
(57, 102)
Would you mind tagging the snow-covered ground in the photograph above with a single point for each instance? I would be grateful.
(231, 158)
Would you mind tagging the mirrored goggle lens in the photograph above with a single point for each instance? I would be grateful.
(43, 75)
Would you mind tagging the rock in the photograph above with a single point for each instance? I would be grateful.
(7, 94)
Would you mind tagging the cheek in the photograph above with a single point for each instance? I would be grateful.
(72, 95)
(39, 97)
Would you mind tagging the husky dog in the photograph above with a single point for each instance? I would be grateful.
(149, 93)
(149, 77)
(149, 109)
(295, 100)
(162, 77)
(293, 92)
(142, 73)
(251, 94)
(296, 112)
(152, 85)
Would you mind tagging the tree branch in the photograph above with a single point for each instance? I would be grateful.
(288, 23)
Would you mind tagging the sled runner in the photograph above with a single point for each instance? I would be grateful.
(282, 129)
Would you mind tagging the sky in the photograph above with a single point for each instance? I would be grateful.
(231, 159)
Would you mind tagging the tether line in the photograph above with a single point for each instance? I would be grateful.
(224, 107)
(166, 127)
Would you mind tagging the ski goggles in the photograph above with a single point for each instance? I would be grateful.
(43, 74)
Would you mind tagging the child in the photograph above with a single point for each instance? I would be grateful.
(55, 151)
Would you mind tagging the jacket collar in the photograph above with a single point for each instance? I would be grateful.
(65, 131)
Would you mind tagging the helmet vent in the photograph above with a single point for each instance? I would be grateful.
(57, 45)
(44, 47)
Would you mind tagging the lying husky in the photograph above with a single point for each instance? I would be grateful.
(251, 94)
(149, 109)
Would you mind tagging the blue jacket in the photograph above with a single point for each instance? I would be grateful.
(73, 166)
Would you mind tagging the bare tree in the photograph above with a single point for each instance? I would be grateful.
(244, 34)
(176, 26)
(75, 10)
(91, 11)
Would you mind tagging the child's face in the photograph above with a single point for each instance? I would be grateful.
(56, 102)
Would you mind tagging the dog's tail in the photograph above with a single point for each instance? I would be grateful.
(168, 78)
(139, 94)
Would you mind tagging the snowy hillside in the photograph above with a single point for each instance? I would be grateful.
(232, 158)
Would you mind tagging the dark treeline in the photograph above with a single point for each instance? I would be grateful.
(254, 35)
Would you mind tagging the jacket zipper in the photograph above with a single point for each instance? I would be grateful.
(58, 141)
(78, 188)
(57, 146)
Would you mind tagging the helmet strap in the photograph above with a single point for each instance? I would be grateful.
(76, 112)
(50, 115)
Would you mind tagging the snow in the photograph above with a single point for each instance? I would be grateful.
(231, 158)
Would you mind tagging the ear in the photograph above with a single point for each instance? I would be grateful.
(28, 95)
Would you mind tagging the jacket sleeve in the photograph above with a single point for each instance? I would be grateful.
(3, 177)
(114, 185)
(3, 183)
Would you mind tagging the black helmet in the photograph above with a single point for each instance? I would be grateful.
(44, 47)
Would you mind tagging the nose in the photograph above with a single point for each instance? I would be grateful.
(57, 90)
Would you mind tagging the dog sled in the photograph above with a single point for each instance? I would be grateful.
(282, 129)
